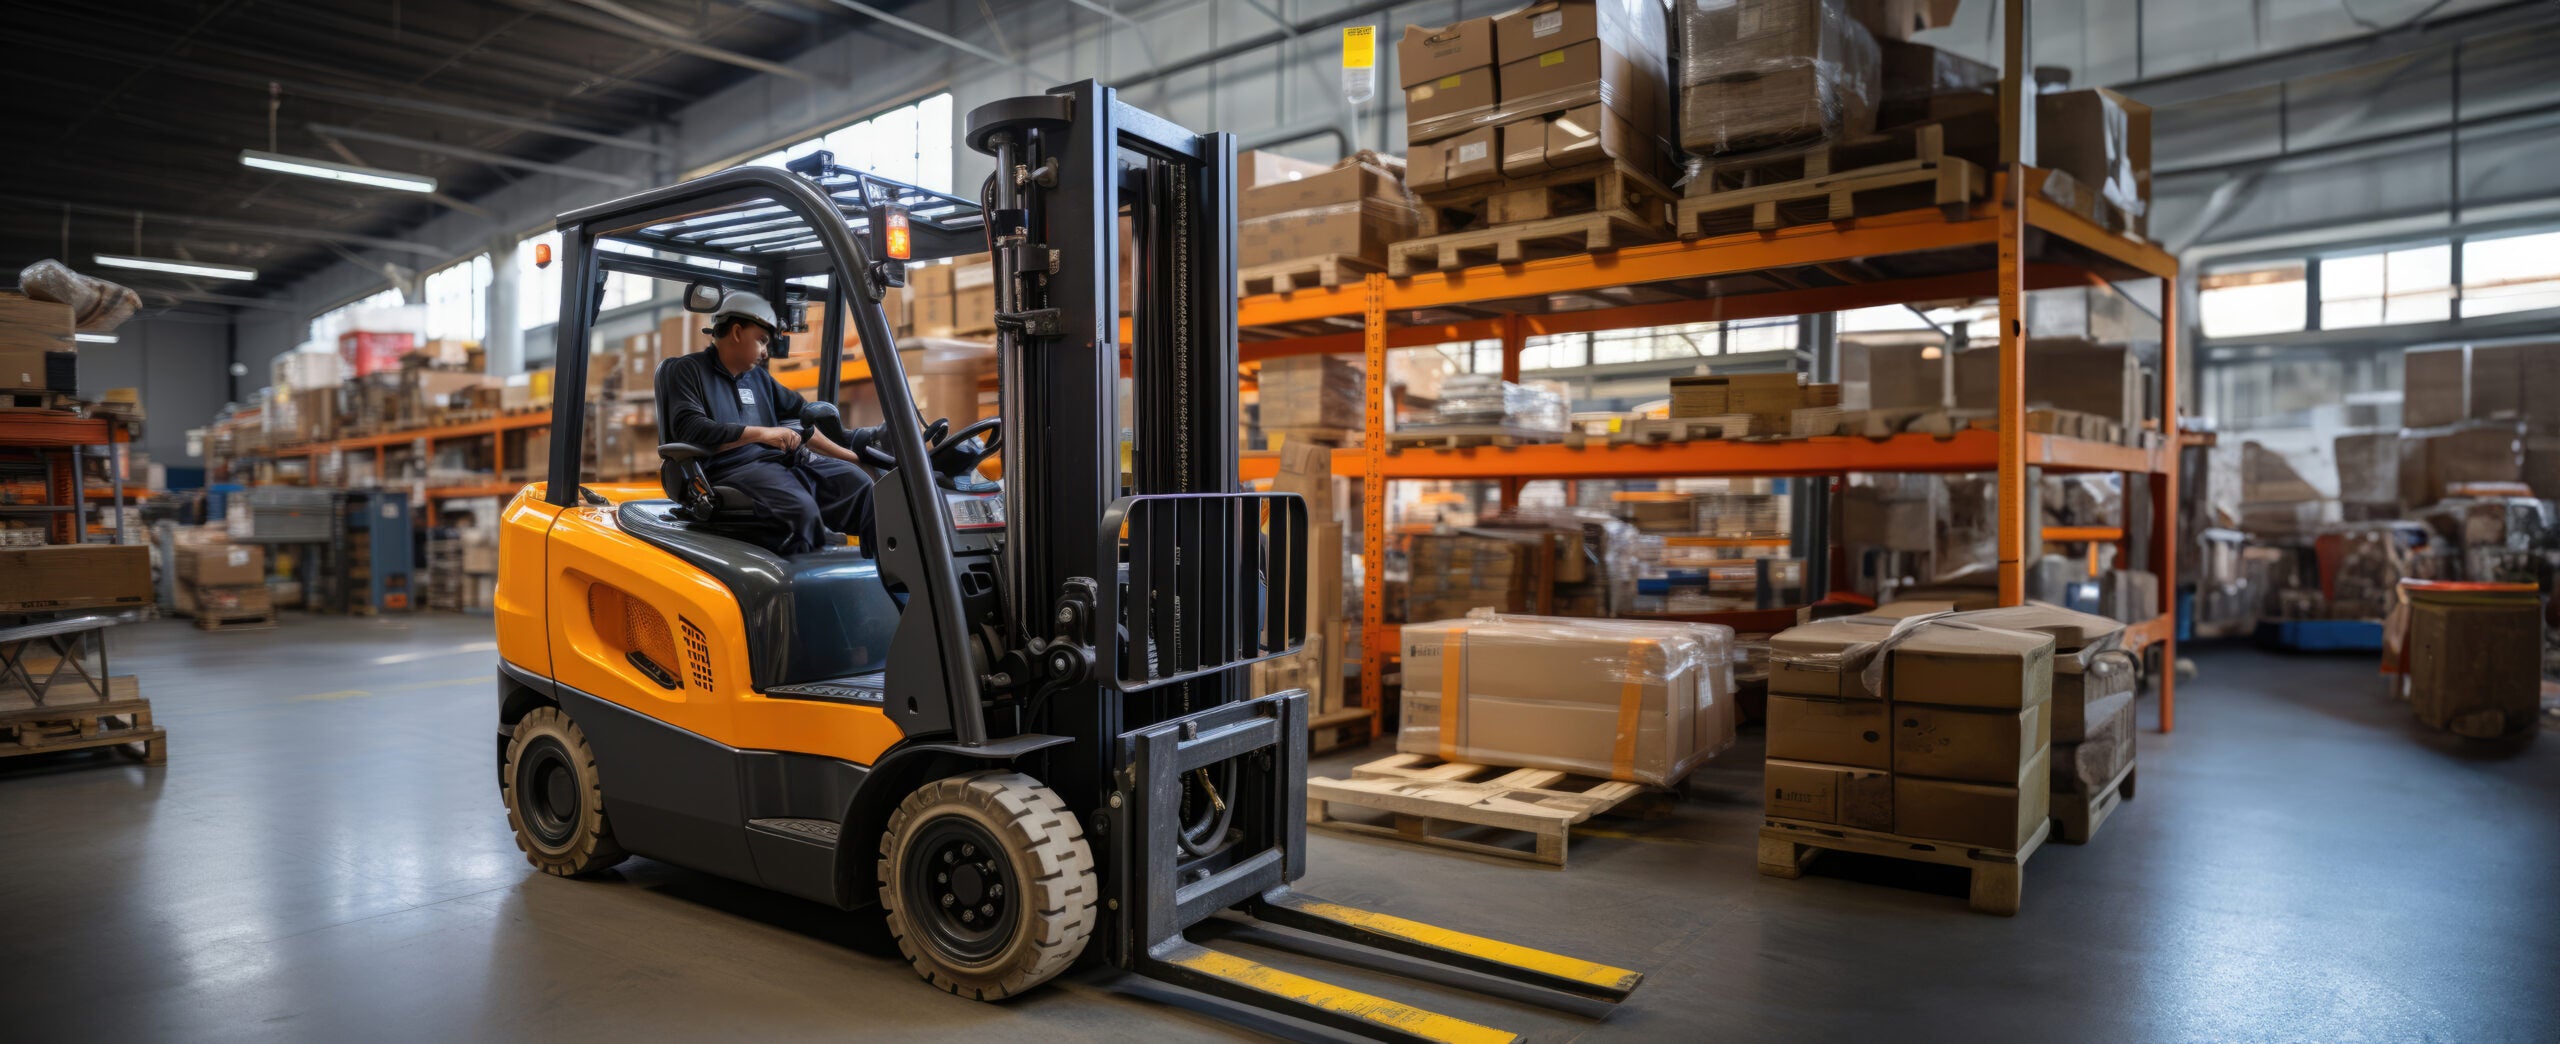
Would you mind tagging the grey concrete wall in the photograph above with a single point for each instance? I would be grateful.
(176, 359)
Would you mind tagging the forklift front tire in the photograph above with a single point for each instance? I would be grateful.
(555, 801)
(987, 883)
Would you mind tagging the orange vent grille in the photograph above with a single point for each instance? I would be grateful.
(631, 625)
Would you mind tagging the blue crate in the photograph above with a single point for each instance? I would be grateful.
(2321, 635)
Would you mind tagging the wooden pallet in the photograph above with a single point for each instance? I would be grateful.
(1282, 277)
(2077, 817)
(1605, 187)
(1886, 423)
(2076, 425)
(1529, 241)
(1898, 170)
(123, 722)
(235, 621)
(1317, 436)
(1787, 846)
(1464, 807)
(1646, 432)
(1466, 436)
(1339, 729)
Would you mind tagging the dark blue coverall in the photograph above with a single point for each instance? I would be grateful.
(798, 494)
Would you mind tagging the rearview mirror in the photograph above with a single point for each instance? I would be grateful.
(703, 297)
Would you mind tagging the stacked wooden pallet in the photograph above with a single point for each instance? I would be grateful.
(1590, 209)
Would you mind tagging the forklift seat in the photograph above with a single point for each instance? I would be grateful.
(681, 476)
(816, 617)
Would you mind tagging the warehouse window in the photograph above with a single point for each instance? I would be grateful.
(458, 300)
(911, 144)
(2414, 285)
(538, 289)
(326, 326)
(2511, 274)
(2259, 299)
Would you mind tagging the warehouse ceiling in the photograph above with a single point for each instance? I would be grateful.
(143, 107)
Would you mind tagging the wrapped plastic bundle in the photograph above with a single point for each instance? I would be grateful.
(1614, 546)
(97, 305)
(1758, 74)
(1639, 702)
(1486, 399)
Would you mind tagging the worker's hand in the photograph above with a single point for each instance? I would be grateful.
(783, 439)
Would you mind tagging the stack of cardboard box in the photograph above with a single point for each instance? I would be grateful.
(1773, 74)
(221, 580)
(1770, 400)
(36, 347)
(1926, 727)
(2478, 415)
(2099, 142)
(1351, 210)
(1454, 574)
(1319, 392)
(1556, 85)
(952, 300)
(1638, 702)
(2093, 712)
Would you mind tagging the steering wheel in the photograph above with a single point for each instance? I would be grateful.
(955, 456)
(882, 460)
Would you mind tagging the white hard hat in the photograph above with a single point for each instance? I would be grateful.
(744, 305)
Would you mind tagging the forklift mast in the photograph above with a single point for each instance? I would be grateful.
(1156, 591)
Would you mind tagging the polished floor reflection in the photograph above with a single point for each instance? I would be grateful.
(324, 858)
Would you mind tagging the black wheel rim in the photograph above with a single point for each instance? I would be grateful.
(547, 792)
(959, 889)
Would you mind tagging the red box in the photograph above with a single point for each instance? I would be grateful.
(371, 353)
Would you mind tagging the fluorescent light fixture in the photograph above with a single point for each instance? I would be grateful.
(94, 338)
(192, 268)
(347, 172)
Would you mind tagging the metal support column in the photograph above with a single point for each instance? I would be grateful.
(1515, 339)
(1373, 509)
(2164, 508)
(2017, 155)
(1809, 496)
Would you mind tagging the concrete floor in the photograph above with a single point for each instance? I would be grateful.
(324, 858)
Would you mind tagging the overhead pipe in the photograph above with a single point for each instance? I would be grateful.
(1258, 42)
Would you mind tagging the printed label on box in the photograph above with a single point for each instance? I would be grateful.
(1471, 152)
(1547, 24)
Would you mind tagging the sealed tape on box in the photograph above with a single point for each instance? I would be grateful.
(1634, 701)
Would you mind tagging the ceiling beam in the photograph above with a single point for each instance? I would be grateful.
(255, 81)
(494, 159)
(229, 225)
(930, 33)
(633, 24)
(569, 75)
(2276, 67)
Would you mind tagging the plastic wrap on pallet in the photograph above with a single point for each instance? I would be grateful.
(1619, 547)
(1758, 74)
(1642, 702)
(1487, 399)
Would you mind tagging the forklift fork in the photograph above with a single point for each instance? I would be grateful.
(1168, 891)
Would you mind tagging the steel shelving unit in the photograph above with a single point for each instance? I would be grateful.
(2014, 241)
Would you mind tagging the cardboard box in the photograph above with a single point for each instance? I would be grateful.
(1426, 54)
(2497, 381)
(1770, 399)
(74, 576)
(2086, 692)
(1465, 159)
(1574, 137)
(1773, 73)
(1257, 168)
(2368, 467)
(1920, 83)
(2072, 630)
(222, 565)
(1829, 657)
(1898, 19)
(1625, 701)
(1428, 106)
(1855, 732)
(1362, 228)
(2062, 374)
(371, 352)
(1559, 53)
(2085, 766)
(1843, 795)
(33, 334)
(1313, 391)
(2102, 139)
(1997, 816)
(1966, 666)
(2435, 388)
(1367, 176)
(1979, 746)
(1908, 376)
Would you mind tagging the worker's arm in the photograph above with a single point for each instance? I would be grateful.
(820, 442)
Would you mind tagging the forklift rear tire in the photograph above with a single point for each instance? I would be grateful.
(555, 801)
(987, 883)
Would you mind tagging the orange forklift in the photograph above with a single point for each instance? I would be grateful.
(1021, 723)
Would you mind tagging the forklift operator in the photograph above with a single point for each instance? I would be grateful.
(719, 398)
